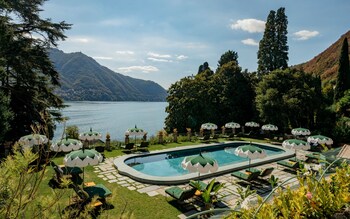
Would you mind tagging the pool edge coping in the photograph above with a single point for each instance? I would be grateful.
(125, 170)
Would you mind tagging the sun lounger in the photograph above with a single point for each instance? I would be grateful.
(246, 175)
(143, 145)
(291, 164)
(87, 194)
(129, 146)
(264, 172)
(202, 186)
(205, 138)
(68, 173)
(180, 194)
(315, 157)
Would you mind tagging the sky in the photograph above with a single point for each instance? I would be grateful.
(166, 40)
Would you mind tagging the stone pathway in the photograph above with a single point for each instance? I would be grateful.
(228, 194)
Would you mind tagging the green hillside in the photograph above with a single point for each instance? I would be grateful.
(82, 78)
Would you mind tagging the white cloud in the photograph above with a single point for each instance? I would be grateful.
(79, 40)
(156, 55)
(251, 25)
(145, 69)
(250, 42)
(305, 34)
(159, 60)
(125, 52)
(102, 58)
(116, 22)
(181, 57)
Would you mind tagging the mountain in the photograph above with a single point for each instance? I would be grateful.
(82, 78)
(325, 64)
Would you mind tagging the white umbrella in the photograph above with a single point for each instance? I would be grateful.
(296, 144)
(320, 139)
(33, 139)
(66, 145)
(301, 131)
(252, 124)
(200, 164)
(209, 126)
(269, 127)
(135, 132)
(233, 126)
(82, 158)
(90, 135)
(250, 151)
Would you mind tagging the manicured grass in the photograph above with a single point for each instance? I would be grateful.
(124, 201)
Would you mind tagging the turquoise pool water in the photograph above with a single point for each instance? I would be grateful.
(169, 163)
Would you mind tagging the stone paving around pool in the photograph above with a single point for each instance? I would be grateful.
(228, 194)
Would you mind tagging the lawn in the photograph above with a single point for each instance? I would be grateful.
(123, 200)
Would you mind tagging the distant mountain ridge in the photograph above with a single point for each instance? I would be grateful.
(83, 79)
(325, 64)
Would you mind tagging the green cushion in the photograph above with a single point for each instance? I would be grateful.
(97, 190)
(202, 185)
(175, 192)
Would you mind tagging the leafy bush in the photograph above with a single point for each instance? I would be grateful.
(313, 199)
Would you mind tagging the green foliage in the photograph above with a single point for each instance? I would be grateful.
(273, 48)
(312, 199)
(343, 77)
(342, 106)
(224, 96)
(341, 130)
(289, 98)
(20, 182)
(209, 194)
(227, 57)
(273, 181)
(5, 115)
(28, 77)
(72, 131)
(244, 193)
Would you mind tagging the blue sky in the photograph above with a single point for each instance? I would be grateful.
(165, 40)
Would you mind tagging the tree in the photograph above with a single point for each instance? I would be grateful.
(5, 115)
(235, 95)
(72, 131)
(343, 76)
(267, 45)
(273, 48)
(281, 58)
(228, 57)
(203, 67)
(29, 78)
(289, 98)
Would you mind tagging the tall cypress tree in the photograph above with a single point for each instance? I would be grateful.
(273, 48)
(267, 45)
(343, 77)
(281, 53)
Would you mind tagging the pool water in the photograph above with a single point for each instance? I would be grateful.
(169, 163)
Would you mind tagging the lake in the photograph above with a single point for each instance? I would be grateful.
(114, 117)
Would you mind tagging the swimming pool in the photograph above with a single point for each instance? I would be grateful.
(164, 167)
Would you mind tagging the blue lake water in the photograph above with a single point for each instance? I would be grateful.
(114, 117)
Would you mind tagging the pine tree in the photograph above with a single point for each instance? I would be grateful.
(267, 45)
(343, 77)
(281, 40)
(273, 48)
(29, 78)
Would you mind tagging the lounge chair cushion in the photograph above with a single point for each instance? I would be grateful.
(175, 192)
(180, 194)
(246, 175)
(97, 190)
(289, 163)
